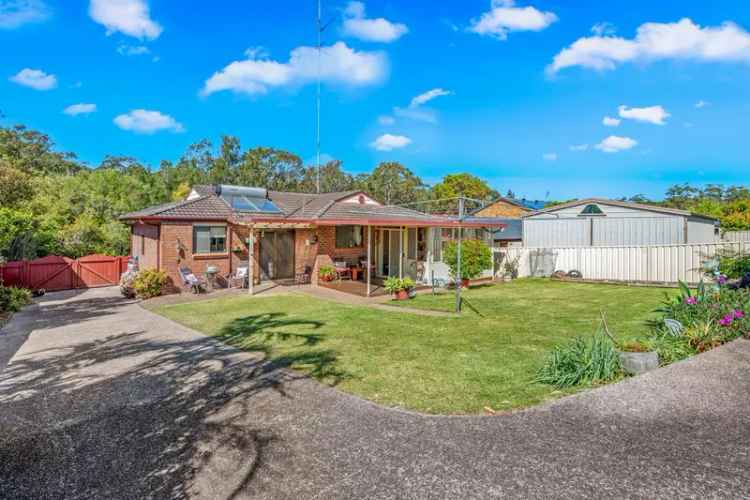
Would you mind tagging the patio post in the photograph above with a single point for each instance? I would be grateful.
(401, 252)
(369, 251)
(250, 263)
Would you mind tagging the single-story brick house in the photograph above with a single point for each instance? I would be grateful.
(292, 235)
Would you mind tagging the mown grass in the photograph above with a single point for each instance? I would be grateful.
(430, 364)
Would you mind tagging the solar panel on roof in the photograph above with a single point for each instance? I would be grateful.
(250, 204)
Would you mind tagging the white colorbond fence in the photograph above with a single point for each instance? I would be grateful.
(736, 236)
(645, 264)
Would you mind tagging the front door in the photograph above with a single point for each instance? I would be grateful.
(277, 255)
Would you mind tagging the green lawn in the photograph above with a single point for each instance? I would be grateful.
(429, 364)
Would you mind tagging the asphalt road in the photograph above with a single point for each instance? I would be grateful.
(102, 399)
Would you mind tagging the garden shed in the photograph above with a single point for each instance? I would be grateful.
(602, 222)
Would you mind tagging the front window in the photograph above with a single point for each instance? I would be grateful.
(209, 239)
(348, 236)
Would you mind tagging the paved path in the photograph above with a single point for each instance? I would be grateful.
(107, 400)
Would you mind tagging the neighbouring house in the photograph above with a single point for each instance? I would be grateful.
(289, 236)
(602, 222)
(507, 211)
(503, 207)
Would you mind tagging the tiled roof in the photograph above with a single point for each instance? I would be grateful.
(306, 205)
(302, 207)
(205, 207)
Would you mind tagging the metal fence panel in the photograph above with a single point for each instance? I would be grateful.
(649, 264)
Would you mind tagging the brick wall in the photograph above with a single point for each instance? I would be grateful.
(239, 241)
(172, 257)
(144, 244)
(324, 253)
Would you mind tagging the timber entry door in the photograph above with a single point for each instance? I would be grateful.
(277, 255)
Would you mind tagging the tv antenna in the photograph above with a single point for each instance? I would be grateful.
(320, 29)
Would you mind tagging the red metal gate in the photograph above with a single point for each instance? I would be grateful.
(62, 273)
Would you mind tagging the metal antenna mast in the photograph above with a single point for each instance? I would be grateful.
(317, 115)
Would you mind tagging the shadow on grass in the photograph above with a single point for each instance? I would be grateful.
(268, 332)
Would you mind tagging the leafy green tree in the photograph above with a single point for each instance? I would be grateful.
(17, 230)
(32, 152)
(394, 184)
(470, 186)
(332, 178)
(15, 186)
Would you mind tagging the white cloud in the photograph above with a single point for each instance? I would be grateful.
(701, 104)
(79, 109)
(549, 156)
(389, 142)
(579, 147)
(370, 30)
(651, 114)
(34, 78)
(657, 41)
(16, 13)
(338, 64)
(428, 96)
(133, 50)
(615, 144)
(416, 110)
(143, 121)
(504, 17)
(603, 29)
(129, 17)
(608, 121)
(257, 52)
(386, 120)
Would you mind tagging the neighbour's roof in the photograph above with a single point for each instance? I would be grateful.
(321, 209)
(618, 203)
(510, 201)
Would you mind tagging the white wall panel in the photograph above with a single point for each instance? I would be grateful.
(653, 263)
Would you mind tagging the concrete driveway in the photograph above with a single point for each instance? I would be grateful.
(106, 400)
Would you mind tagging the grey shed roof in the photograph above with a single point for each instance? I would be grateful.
(624, 204)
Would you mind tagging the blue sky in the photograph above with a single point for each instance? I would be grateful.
(513, 91)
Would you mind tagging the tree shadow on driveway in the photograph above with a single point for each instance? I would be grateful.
(140, 415)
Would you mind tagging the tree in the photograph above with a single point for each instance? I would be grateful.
(332, 179)
(15, 186)
(17, 229)
(394, 184)
(464, 184)
(271, 168)
(31, 152)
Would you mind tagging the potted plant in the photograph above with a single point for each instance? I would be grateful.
(327, 273)
(476, 257)
(398, 287)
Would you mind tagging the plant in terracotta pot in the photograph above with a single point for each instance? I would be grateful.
(327, 273)
(398, 287)
(476, 257)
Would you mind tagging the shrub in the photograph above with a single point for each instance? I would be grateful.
(149, 283)
(734, 264)
(582, 362)
(710, 316)
(475, 258)
(13, 299)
